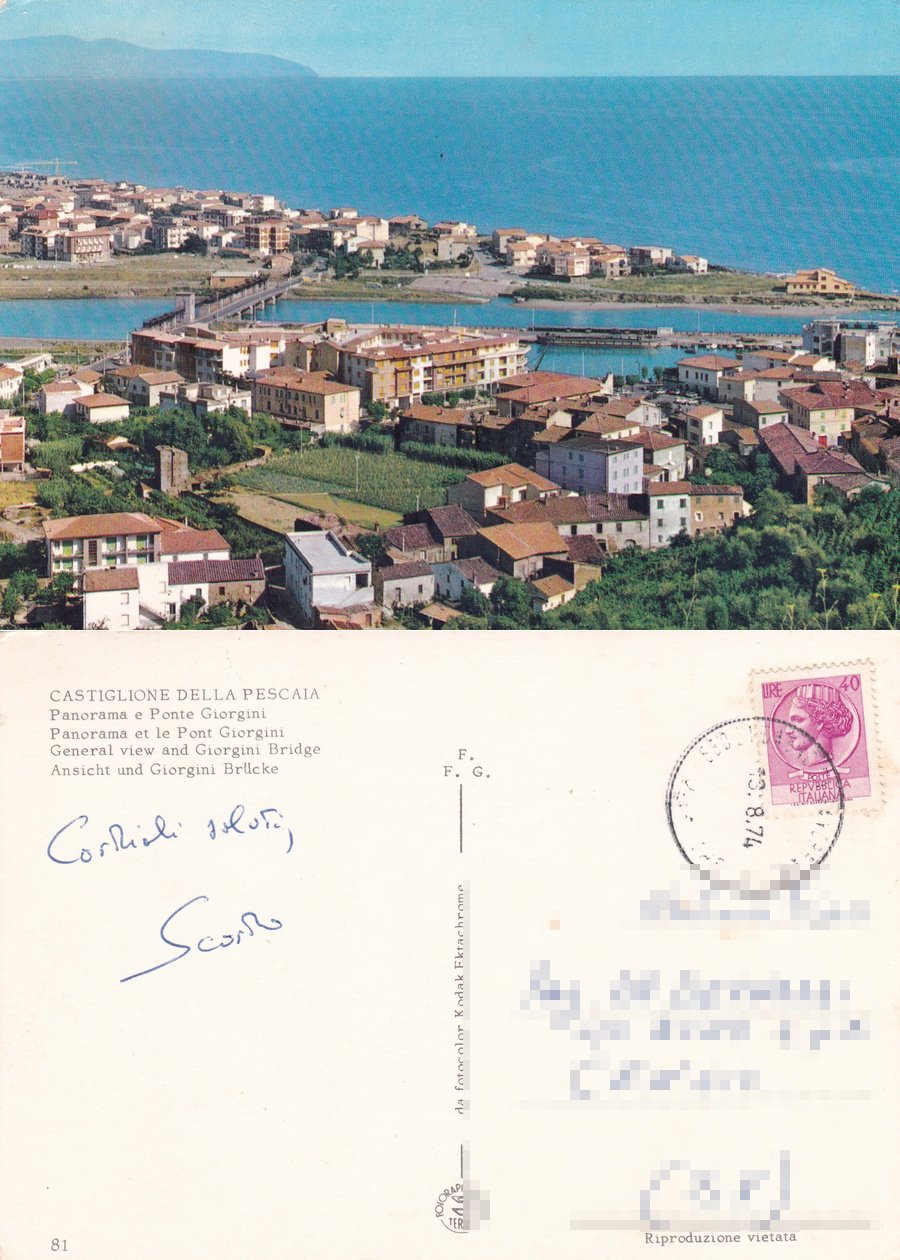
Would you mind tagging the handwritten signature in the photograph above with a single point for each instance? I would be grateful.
(206, 944)
(67, 847)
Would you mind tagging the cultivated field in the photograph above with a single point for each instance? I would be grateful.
(280, 511)
(386, 480)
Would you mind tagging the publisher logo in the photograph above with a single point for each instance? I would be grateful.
(450, 1209)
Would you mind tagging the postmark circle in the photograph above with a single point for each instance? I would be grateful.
(723, 819)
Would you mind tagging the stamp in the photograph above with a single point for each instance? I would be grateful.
(722, 817)
(830, 708)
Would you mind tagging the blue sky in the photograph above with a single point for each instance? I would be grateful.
(499, 37)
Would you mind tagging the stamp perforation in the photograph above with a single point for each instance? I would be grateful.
(872, 804)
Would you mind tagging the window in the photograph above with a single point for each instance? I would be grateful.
(659, 523)
(618, 527)
(682, 503)
(659, 504)
(698, 516)
(684, 522)
(124, 598)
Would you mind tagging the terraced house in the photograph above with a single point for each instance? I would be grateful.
(112, 540)
(397, 366)
(101, 541)
(312, 400)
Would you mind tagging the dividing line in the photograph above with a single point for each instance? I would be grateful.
(460, 818)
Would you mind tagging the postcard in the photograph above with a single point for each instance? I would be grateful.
(388, 948)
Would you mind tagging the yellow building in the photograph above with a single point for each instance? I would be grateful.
(307, 399)
(398, 366)
(820, 280)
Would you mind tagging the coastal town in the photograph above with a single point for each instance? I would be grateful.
(228, 471)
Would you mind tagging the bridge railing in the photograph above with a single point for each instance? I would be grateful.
(237, 299)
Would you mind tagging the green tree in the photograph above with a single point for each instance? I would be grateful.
(369, 545)
(190, 611)
(220, 615)
(195, 244)
(472, 601)
(510, 604)
(11, 602)
(773, 508)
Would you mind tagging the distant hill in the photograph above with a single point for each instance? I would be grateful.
(65, 57)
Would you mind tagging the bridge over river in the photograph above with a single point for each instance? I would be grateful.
(239, 302)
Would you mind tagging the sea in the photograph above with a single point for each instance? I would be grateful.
(768, 174)
(765, 173)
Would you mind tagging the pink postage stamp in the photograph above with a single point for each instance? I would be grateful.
(819, 729)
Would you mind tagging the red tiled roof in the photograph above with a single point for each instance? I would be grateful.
(308, 382)
(765, 408)
(452, 521)
(557, 432)
(411, 537)
(512, 474)
(175, 541)
(521, 541)
(524, 510)
(612, 507)
(584, 549)
(409, 569)
(124, 579)
(61, 387)
(622, 407)
(101, 525)
(811, 400)
(708, 362)
(92, 401)
(187, 572)
(796, 450)
(477, 570)
(653, 440)
(605, 425)
(553, 584)
(547, 390)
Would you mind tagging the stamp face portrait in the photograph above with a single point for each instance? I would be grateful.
(817, 725)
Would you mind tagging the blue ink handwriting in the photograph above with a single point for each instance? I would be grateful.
(69, 846)
(205, 944)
